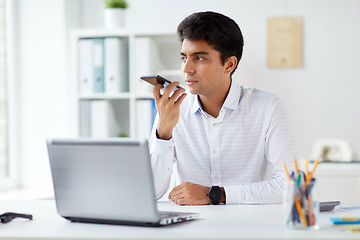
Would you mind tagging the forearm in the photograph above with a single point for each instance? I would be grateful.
(264, 192)
(223, 196)
(162, 158)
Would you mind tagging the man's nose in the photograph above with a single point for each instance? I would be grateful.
(188, 66)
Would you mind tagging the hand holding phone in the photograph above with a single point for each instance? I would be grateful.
(168, 116)
(159, 79)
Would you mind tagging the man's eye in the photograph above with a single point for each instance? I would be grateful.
(200, 58)
(183, 59)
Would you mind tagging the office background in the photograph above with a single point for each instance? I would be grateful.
(321, 97)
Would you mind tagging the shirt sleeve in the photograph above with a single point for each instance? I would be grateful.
(162, 154)
(279, 147)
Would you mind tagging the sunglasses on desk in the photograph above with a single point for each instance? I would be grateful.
(9, 216)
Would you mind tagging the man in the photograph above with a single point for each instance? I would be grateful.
(220, 136)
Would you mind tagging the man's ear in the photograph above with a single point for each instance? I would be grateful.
(230, 64)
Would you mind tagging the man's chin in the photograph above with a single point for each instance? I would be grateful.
(192, 90)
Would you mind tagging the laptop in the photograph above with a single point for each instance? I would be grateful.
(106, 181)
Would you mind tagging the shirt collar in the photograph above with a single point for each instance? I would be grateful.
(196, 106)
(232, 99)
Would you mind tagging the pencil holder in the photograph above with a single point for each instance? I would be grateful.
(301, 206)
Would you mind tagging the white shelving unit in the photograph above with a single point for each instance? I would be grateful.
(149, 53)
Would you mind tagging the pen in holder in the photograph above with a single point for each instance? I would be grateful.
(301, 206)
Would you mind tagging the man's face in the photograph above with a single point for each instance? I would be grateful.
(203, 71)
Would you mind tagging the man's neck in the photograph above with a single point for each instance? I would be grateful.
(212, 104)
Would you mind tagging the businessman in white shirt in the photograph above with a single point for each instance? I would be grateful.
(220, 136)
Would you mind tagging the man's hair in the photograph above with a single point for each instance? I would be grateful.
(219, 31)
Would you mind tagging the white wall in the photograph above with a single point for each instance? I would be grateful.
(42, 70)
(321, 97)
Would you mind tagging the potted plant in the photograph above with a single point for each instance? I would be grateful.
(115, 13)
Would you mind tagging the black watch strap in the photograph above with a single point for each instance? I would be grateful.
(215, 195)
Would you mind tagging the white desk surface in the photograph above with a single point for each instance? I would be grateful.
(216, 222)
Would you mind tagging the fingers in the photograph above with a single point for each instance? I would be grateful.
(169, 88)
(181, 98)
(177, 96)
(179, 92)
(168, 108)
(179, 194)
(156, 90)
(189, 193)
(175, 194)
(177, 197)
(175, 191)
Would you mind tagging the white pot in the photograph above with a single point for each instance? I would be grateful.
(114, 17)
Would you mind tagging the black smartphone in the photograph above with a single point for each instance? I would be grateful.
(328, 206)
(158, 79)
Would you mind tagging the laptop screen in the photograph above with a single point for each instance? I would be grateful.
(105, 179)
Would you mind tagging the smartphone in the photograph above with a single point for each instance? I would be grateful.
(328, 206)
(159, 79)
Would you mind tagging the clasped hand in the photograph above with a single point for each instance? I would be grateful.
(189, 193)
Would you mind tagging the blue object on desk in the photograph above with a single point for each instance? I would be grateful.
(338, 221)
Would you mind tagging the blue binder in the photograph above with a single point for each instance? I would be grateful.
(98, 65)
(153, 112)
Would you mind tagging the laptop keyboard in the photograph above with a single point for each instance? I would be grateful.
(168, 214)
(174, 217)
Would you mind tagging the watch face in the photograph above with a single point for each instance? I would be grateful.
(215, 195)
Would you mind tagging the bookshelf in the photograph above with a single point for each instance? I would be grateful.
(130, 110)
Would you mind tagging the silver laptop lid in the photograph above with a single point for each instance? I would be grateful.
(103, 179)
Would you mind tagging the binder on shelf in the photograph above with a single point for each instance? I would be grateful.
(145, 116)
(147, 62)
(116, 65)
(98, 65)
(153, 111)
(123, 55)
(85, 66)
(103, 119)
(84, 118)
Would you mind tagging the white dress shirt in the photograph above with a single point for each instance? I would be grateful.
(233, 151)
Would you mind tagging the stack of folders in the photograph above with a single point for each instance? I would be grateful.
(102, 118)
(98, 118)
(103, 65)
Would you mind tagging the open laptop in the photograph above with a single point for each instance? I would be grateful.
(106, 181)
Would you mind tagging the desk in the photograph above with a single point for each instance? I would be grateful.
(216, 222)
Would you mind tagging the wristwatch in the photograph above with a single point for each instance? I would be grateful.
(215, 195)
